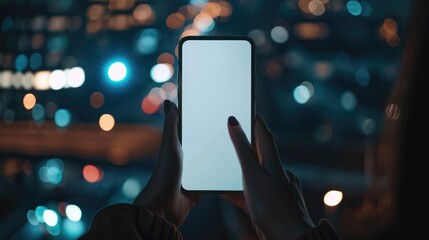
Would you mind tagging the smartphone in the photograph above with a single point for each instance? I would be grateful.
(216, 80)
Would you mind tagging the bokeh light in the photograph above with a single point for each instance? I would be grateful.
(348, 101)
(41, 80)
(368, 126)
(258, 36)
(150, 104)
(73, 230)
(36, 61)
(366, 9)
(21, 62)
(301, 94)
(203, 22)
(279, 34)
(92, 174)
(39, 213)
(29, 101)
(354, 7)
(96, 99)
(62, 118)
(38, 113)
(166, 58)
(106, 122)
(75, 77)
(31, 217)
(131, 188)
(161, 72)
(73, 213)
(170, 90)
(144, 14)
(52, 171)
(50, 217)
(117, 71)
(316, 7)
(175, 20)
(362, 77)
(148, 41)
(333, 198)
(57, 79)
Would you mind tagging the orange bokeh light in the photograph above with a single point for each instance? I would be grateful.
(175, 20)
(29, 101)
(92, 173)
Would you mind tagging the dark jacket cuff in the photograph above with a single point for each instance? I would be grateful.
(323, 231)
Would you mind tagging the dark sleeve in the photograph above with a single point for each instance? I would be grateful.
(126, 221)
(323, 231)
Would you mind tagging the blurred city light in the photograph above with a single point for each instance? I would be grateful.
(75, 77)
(368, 126)
(41, 80)
(348, 101)
(62, 117)
(38, 112)
(96, 99)
(203, 22)
(354, 7)
(366, 9)
(92, 173)
(117, 71)
(71, 229)
(57, 79)
(258, 36)
(150, 104)
(279, 34)
(362, 77)
(35, 61)
(21, 62)
(131, 188)
(333, 198)
(31, 217)
(52, 171)
(73, 212)
(301, 94)
(148, 41)
(161, 72)
(106, 122)
(39, 213)
(29, 101)
(50, 217)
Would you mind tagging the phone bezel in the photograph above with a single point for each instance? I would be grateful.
(253, 95)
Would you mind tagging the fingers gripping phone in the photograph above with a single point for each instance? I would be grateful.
(216, 80)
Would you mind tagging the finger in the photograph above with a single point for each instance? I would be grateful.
(169, 165)
(267, 150)
(245, 153)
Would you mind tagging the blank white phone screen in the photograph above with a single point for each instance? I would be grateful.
(216, 84)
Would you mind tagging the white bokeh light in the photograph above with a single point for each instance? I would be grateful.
(117, 71)
(57, 79)
(76, 77)
(50, 218)
(73, 213)
(333, 198)
(161, 72)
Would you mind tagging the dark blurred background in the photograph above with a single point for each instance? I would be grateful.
(82, 85)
